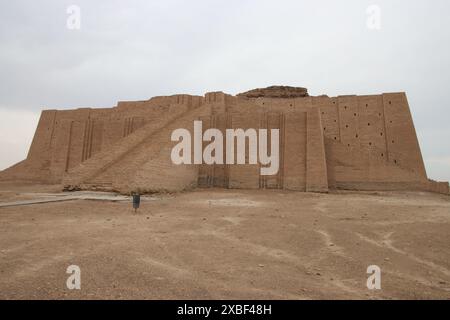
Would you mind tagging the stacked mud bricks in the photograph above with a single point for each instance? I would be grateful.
(346, 142)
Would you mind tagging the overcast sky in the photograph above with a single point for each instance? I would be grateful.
(133, 50)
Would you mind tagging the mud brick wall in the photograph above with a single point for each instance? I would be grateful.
(370, 139)
(302, 164)
(351, 142)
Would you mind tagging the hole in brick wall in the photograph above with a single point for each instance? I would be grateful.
(334, 102)
(368, 124)
(381, 133)
(382, 154)
(390, 121)
(290, 105)
(324, 129)
(335, 138)
(335, 120)
(367, 105)
(354, 114)
(349, 144)
(345, 107)
(370, 143)
(392, 141)
(395, 161)
(390, 102)
(322, 111)
(346, 125)
(356, 136)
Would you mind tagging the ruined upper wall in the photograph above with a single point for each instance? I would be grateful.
(276, 92)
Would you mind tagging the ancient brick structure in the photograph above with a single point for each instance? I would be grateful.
(346, 142)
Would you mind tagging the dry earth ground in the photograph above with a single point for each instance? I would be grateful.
(227, 244)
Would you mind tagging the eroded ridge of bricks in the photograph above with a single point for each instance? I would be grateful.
(347, 142)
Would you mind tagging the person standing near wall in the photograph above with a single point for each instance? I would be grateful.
(136, 200)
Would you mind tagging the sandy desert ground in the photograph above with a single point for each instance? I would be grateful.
(225, 244)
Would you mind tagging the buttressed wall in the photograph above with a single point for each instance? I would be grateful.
(346, 142)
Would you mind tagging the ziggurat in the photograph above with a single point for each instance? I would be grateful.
(346, 142)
